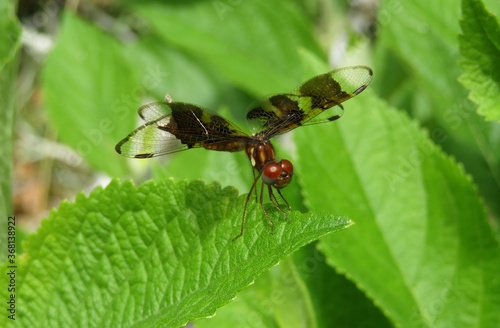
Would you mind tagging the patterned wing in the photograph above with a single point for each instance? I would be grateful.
(309, 103)
(173, 127)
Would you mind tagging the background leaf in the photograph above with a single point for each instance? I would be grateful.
(422, 252)
(303, 291)
(10, 39)
(89, 93)
(419, 44)
(160, 254)
(480, 49)
(10, 33)
(423, 247)
(267, 60)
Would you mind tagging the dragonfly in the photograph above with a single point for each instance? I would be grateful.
(171, 127)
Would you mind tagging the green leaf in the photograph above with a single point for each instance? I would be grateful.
(10, 32)
(255, 49)
(278, 298)
(423, 40)
(301, 292)
(90, 93)
(337, 301)
(160, 254)
(421, 247)
(480, 49)
(171, 72)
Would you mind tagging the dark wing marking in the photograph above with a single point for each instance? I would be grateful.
(283, 112)
(173, 127)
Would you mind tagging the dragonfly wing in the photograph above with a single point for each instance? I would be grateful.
(281, 113)
(149, 140)
(173, 127)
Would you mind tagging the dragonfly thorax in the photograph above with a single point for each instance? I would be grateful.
(260, 153)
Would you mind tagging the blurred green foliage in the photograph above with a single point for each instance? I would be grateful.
(411, 162)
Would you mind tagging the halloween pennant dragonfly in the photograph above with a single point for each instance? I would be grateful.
(174, 126)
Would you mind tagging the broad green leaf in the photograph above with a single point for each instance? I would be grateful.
(166, 70)
(480, 49)
(90, 93)
(10, 41)
(424, 40)
(10, 32)
(337, 302)
(278, 298)
(159, 254)
(246, 41)
(421, 247)
(301, 292)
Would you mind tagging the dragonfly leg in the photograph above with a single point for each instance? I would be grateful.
(271, 223)
(274, 200)
(255, 189)
(282, 197)
(256, 178)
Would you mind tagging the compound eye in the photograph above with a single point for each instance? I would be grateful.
(287, 166)
(271, 173)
